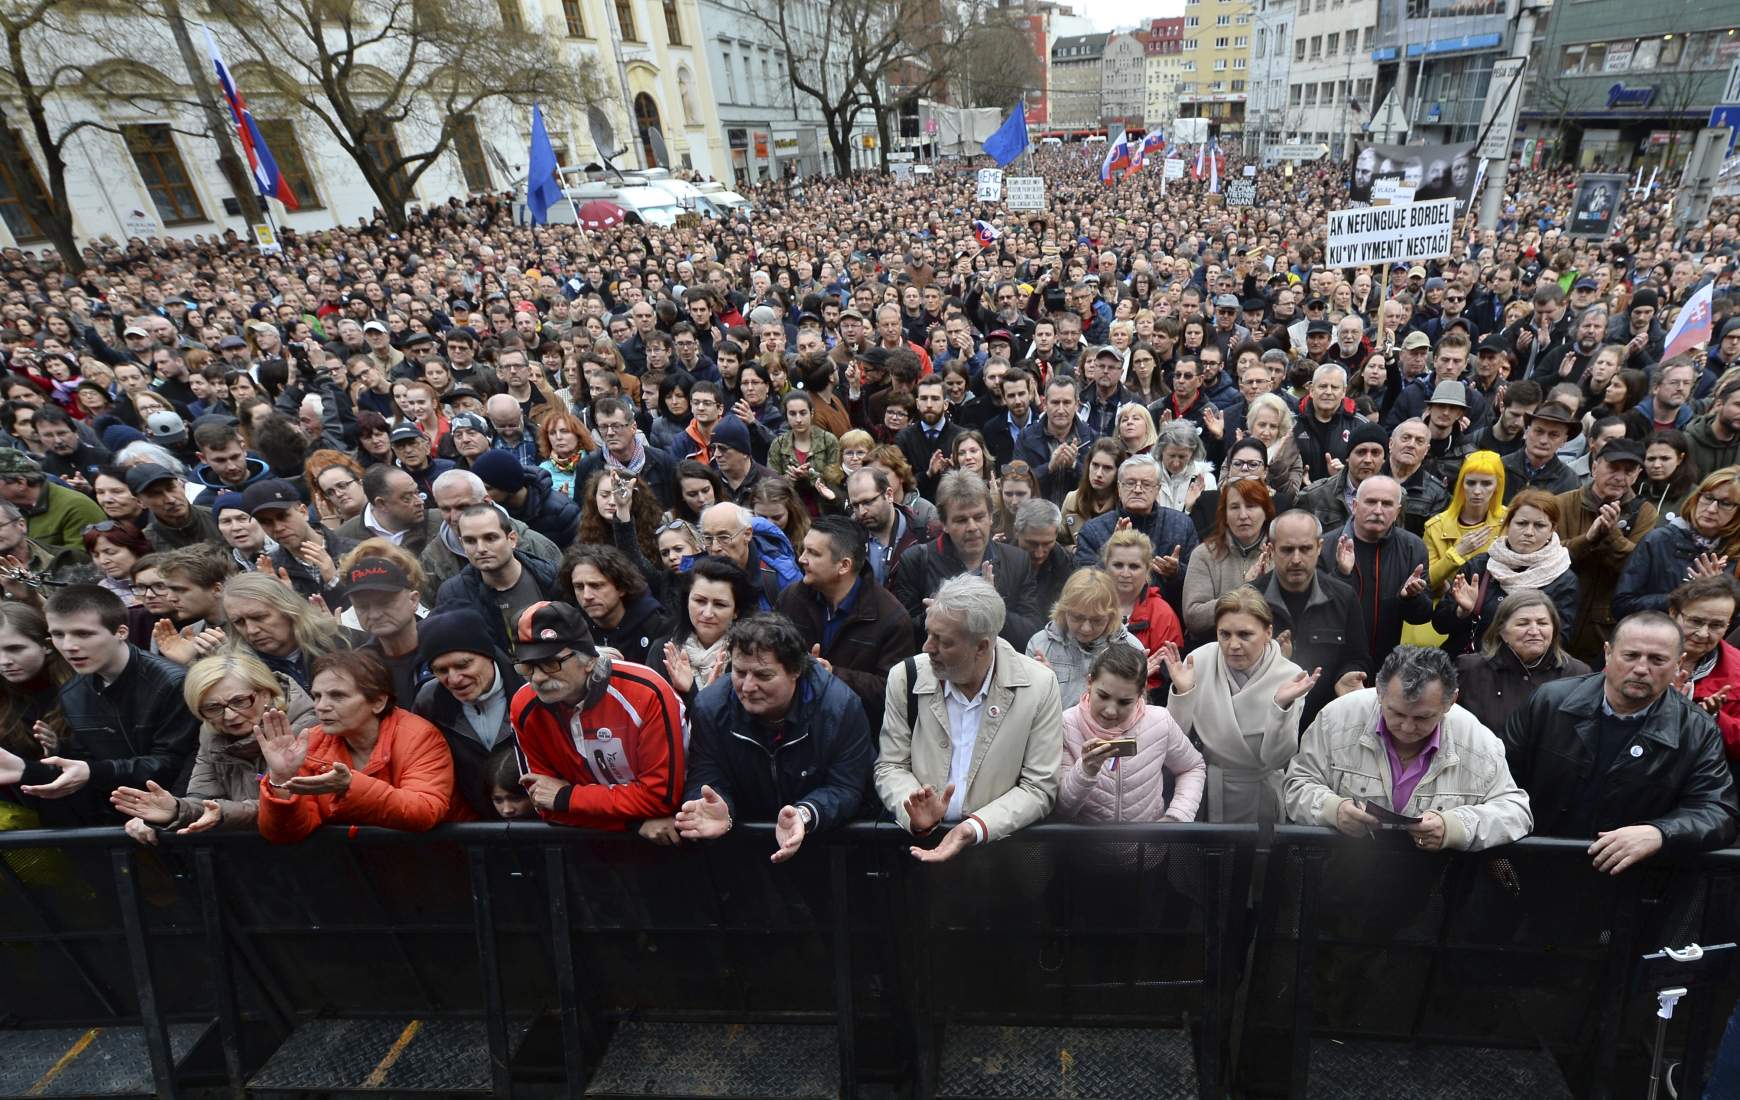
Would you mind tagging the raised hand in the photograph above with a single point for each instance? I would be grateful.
(313, 554)
(1344, 556)
(704, 818)
(1349, 681)
(988, 570)
(74, 774)
(925, 807)
(282, 748)
(1194, 491)
(1475, 541)
(1169, 565)
(1297, 688)
(46, 737)
(958, 838)
(1606, 520)
(1466, 594)
(1260, 566)
(1707, 565)
(1213, 421)
(1180, 670)
(153, 804)
(174, 645)
(939, 462)
(1713, 703)
(1334, 465)
(1416, 582)
(679, 669)
(334, 780)
(788, 833)
(1094, 757)
(1064, 457)
(822, 662)
(210, 817)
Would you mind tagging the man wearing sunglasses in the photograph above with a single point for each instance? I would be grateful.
(600, 741)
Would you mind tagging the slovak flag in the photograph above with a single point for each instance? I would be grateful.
(984, 232)
(1153, 145)
(1117, 160)
(1209, 161)
(1692, 326)
(269, 181)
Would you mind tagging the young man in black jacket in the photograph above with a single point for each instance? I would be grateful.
(123, 710)
(854, 626)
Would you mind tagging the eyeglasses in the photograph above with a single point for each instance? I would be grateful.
(1140, 484)
(1721, 504)
(338, 486)
(241, 704)
(1248, 464)
(1714, 626)
(715, 540)
(101, 528)
(549, 666)
(682, 525)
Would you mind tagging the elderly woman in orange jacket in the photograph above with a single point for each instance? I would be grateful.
(368, 762)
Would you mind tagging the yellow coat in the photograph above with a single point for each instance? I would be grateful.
(1442, 533)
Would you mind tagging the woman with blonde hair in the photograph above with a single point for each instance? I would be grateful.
(1473, 519)
(1085, 621)
(1242, 698)
(1134, 428)
(1703, 539)
(1126, 558)
(1270, 422)
(230, 693)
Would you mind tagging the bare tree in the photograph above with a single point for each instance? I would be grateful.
(42, 40)
(998, 65)
(364, 68)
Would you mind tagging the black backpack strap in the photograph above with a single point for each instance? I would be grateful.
(911, 664)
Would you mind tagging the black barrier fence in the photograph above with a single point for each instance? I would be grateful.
(1136, 961)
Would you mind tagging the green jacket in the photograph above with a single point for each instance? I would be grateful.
(60, 517)
(824, 458)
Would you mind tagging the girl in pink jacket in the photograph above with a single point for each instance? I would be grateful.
(1111, 713)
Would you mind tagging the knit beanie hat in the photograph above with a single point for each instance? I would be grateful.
(1646, 297)
(1367, 432)
(116, 436)
(500, 470)
(461, 630)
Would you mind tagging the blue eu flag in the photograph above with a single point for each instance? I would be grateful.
(1010, 140)
(543, 190)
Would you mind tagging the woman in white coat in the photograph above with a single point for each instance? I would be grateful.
(1241, 699)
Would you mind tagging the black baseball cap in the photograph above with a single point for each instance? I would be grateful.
(546, 629)
(1622, 449)
(375, 575)
(147, 474)
(271, 493)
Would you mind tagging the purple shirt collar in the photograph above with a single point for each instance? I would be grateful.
(1405, 777)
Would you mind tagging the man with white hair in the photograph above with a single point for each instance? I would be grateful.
(1383, 561)
(972, 731)
(455, 491)
(1322, 431)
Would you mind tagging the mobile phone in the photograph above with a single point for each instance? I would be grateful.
(1387, 818)
(1123, 746)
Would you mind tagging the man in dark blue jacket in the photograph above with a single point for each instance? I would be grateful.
(780, 739)
(529, 496)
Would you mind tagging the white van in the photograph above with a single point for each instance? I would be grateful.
(640, 201)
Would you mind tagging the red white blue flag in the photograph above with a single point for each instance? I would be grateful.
(1692, 326)
(984, 232)
(1117, 160)
(270, 182)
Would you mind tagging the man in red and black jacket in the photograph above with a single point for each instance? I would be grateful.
(600, 741)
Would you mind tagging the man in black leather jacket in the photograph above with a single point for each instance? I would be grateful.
(1622, 757)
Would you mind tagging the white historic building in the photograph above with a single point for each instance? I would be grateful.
(143, 172)
(1271, 54)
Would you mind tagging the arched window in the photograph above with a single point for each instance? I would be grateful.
(646, 120)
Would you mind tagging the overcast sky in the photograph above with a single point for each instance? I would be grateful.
(1112, 14)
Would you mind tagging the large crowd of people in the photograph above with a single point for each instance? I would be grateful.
(833, 511)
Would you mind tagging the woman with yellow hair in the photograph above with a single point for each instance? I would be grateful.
(1474, 518)
(1086, 619)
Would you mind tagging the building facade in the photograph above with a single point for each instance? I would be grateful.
(1610, 88)
(1216, 64)
(772, 130)
(1123, 92)
(1437, 55)
(1331, 75)
(1161, 70)
(1271, 54)
(1077, 84)
(144, 175)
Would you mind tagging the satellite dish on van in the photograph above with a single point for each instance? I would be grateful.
(603, 136)
(661, 155)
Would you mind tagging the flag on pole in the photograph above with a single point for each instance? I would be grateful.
(1153, 145)
(543, 190)
(267, 179)
(1010, 139)
(1692, 326)
(984, 232)
(1117, 160)
(1201, 165)
(1215, 163)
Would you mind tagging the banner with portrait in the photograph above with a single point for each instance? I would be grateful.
(1596, 205)
(1433, 171)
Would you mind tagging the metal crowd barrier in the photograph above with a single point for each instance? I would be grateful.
(1138, 961)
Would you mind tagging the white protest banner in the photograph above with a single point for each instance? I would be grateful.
(1026, 192)
(990, 184)
(1174, 168)
(1385, 234)
(1250, 171)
